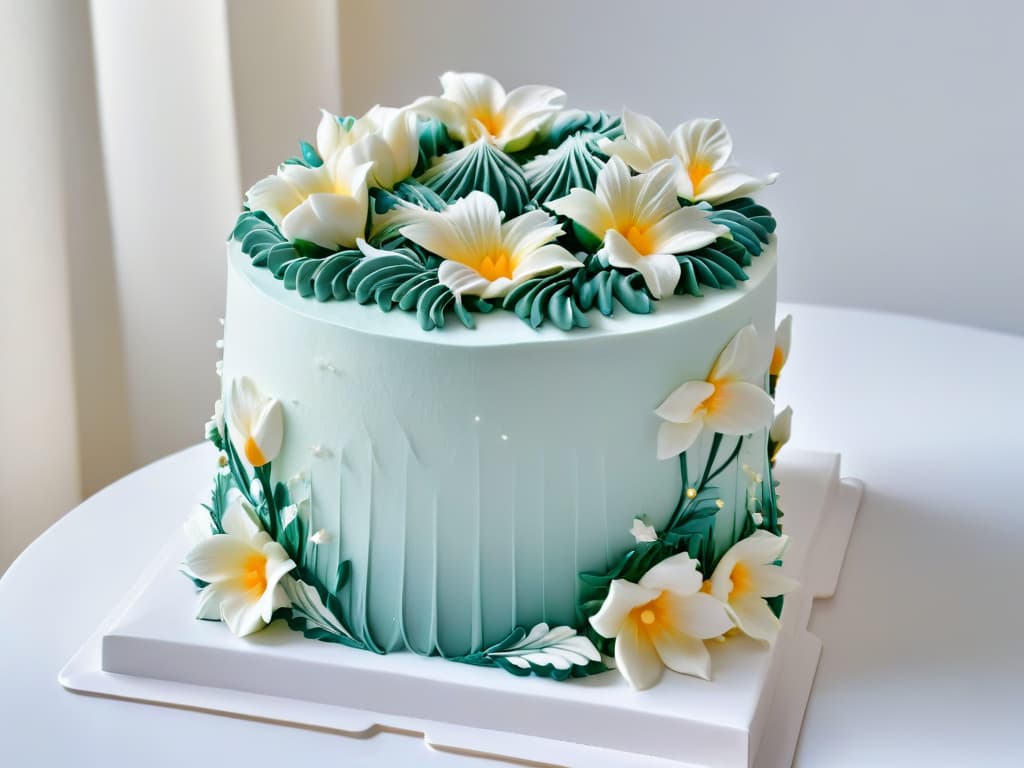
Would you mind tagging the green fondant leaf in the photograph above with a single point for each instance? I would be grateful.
(310, 155)
(558, 653)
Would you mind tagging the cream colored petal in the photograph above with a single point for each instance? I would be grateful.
(373, 149)
(677, 574)
(331, 221)
(244, 403)
(702, 140)
(523, 112)
(498, 288)
(472, 90)
(739, 408)
(673, 439)
(218, 558)
(699, 615)
(586, 209)
(547, 258)
(760, 548)
(754, 618)
(645, 133)
(623, 597)
(681, 404)
(784, 336)
(615, 187)
(402, 134)
(461, 279)
(241, 614)
(330, 136)
(476, 220)
(654, 196)
(781, 426)
(730, 184)
(636, 657)
(524, 234)
(770, 581)
(634, 156)
(274, 196)
(661, 271)
(682, 653)
(268, 429)
(739, 358)
(198, 526)
(448, 112)
(240, 520)
(684, 230)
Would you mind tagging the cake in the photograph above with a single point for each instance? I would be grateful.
(498, 386)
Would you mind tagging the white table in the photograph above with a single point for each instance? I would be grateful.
(922, 662)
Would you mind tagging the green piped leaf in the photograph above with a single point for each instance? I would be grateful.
(480, 166)
(558, 653)
(570, 165)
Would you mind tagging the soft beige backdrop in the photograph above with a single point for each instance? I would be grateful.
(132, 129)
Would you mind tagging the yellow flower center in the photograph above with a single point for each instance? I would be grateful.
(742, 581)
(253, 453)
(494, 265)
(652, 617)
(713, 402)
(639, 239)
(254, 574)
(778, 360)
(492, 123)
(698, 171)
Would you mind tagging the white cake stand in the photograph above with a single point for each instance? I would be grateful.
(149, 650)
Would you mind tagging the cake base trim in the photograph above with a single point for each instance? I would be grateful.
(751, 714)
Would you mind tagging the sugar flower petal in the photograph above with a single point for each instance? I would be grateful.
(637, 658)
(674, 439)
(681, 406)
(739, 408)
(682, 653)
(256, 422)
(677, 574)
(623, 597)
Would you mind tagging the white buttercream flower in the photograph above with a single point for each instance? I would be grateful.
(640, 221)
(474, 106)
(725, 402)
(385, 137)
(700, 150)
(326, 205)
(243, 567)
(780, 352)
(643, 531)
(745, 576)
(482, 256)
(256, 422)
(661, 622)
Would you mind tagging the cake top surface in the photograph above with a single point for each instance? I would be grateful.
(486, 202)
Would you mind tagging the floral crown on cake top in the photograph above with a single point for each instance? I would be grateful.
(480, 199)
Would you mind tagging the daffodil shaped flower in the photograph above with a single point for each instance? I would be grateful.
(385, 137)
(745, 576)
(779, 432)
(725, 402)
(244, 568)
(661, 622)
(700, 149)
(640, 221)
(326, 205)
(255, 421)
(483, 256)
(474, 106)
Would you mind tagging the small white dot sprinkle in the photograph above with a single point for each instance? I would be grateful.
(321, 452)
(719, 503)
(219, 344)
(220, 320)
(476, 418)
(504, 437)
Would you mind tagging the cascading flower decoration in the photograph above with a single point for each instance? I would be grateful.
(618, 185)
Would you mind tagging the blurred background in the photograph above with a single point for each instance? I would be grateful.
(132, 128)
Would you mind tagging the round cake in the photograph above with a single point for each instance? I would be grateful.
(497, 386)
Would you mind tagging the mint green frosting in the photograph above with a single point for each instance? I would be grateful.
(480, 166)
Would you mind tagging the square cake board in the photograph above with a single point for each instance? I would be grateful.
(151, 650)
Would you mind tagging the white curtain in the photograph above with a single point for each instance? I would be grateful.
(130, 131)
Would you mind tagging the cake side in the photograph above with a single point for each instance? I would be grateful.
(468, 486)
